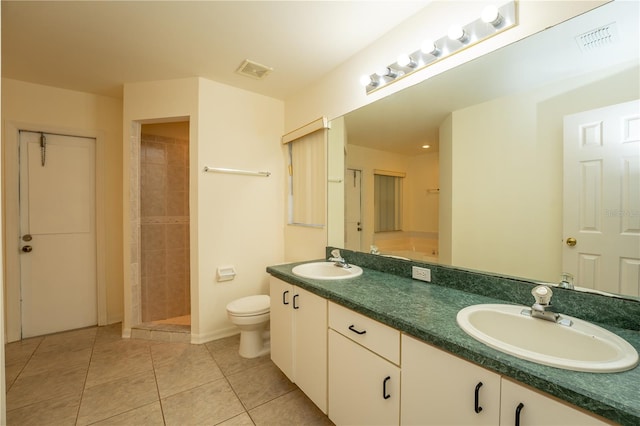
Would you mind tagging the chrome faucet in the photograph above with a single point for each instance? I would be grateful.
(542, 307)
(566, 281)
(338, 259)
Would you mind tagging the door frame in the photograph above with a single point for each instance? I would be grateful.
(11, 207)
(361, 195)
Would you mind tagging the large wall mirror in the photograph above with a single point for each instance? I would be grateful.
(490, 193)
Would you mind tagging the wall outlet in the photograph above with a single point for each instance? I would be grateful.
(422, 274)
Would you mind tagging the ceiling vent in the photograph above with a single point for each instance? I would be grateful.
(598, 38)
(254, 70)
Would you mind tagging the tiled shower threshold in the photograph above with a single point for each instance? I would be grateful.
(169, 330)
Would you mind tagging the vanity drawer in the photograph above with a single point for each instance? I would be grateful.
(379, 338)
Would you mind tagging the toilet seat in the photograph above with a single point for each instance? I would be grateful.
(250, 306)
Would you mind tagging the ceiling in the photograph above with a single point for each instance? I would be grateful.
(96, 46)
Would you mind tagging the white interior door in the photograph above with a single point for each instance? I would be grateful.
(58, 237)
(602, 198)
(353, 207)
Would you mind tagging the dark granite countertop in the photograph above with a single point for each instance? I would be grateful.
(428, 311)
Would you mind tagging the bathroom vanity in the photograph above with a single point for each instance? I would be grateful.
(387, 350)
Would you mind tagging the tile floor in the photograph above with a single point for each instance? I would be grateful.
(93, 376)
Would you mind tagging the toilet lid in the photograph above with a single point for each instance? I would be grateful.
(250, 305)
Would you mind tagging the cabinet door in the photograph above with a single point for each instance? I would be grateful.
(439, 388)
(364, 389)
(310, 345)
(281, 323)
(538, 409)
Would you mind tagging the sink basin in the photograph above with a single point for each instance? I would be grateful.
(580, 347)
(326, 271)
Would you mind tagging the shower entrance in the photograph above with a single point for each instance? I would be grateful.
(164, 227)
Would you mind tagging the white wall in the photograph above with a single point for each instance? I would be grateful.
(506, 210)
(235, 220)
(335, 182)
(239, 217)
(500, 207)
(445, 167)
(52, 109)
(422, 196)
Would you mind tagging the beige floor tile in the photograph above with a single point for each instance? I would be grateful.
(109, 333)
(41, 387)
(11, 372)
(124, 379)
(260, 384)
(170, 353)
(116, 366)
(294, 408)
(193, 369)
(68, 340)
(209, 404)
(241, 420)
(42, 362)
(225, 353)
(121, 348)
(57, 411)
(147, 415)
(224, 343)
(21, 350)
(112, 398)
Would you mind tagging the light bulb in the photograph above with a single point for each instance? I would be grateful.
(365, 80)
(457, 33)
(430, 48)
(387, 72)
(382, 72)
(490, 15)
(405, 60)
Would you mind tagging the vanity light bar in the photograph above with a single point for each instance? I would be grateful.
(494, 20)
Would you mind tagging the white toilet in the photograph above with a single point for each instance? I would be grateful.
(251, 315)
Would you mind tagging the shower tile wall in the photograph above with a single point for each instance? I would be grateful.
(164, 227)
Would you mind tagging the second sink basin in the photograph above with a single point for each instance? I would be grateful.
(580, 347)
(326, 271)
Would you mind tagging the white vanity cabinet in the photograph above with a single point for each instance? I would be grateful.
(299, 338)
(362, 372)
(439, 388)
(364, 376)
(521, 406)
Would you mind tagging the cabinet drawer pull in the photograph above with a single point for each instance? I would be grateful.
(353, 328)
(295, 298)
(385, 395)
(477, 406)
(518, 410)
(285, 301)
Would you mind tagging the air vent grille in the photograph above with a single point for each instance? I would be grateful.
(254, 70)
(598, 38)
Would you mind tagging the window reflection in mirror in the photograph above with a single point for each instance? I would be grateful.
(387, 203)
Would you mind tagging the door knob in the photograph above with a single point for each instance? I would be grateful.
(571, 241)
(27, 249)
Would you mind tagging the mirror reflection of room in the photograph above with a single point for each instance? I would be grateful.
(488, 193)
